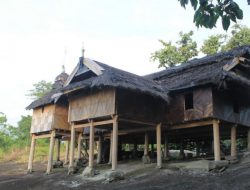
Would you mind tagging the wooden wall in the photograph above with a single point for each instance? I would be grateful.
(202, 106)
(42, 119)
(61, 118)
(92, 105)
(136, 106)
(223, 106)
(50, 117)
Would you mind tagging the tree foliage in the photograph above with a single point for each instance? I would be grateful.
(213, 44)
(40, 89)
(172, 54)
(207, 12)
(240, 35)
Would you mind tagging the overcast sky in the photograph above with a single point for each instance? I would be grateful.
(38, 37)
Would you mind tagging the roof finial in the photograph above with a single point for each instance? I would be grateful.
(63, 69)
(83, 50)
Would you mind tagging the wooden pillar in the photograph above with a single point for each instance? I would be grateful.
(99, 155)
(58, 150)
(79, 146)
(166, 147)
(233, 142)
(67, 152)
(72, 147)
(216, 134)
(182, 152)
(51, 151)
(111, 145)
(248, 140)
(115, 143)
(158, 142)
(198, 148)
(146, 145)
(32, 151)
(91, 144)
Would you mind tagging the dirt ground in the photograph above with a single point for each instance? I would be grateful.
(138, 176)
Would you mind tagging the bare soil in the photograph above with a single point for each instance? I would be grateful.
(13, 176)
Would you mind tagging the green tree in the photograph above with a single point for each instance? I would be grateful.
(40, 89)
(240, 35)
(172, 54)
(3, 119)
(213, 44)
(207, 12)
(5, 137)
(21, 133)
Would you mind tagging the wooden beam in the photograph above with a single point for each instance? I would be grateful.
(42, 136)
(97, 123)
(190, 125)
(231, 65)
(137, 122)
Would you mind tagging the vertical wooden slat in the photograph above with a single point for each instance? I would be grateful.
(79, 146)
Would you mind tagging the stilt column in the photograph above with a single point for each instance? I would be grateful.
(158, 141)
(216, 134)
(67, 152)
(99, 156)
(31, 156)
(72, 149)
(51, 151)
(233, 142)
(79, 146)
(248, 140)
(146, 145)
(111, 145)
(166, 147)
(58, 150)
(115, 143)
(91, 144)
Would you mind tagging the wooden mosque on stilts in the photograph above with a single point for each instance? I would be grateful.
(201, 102)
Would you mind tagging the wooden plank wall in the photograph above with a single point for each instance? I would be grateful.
(42, 119)
(61, 118)
(202, 107)
(223, 106)
(92, 105)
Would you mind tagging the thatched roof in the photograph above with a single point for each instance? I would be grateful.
(53, 95)
(116, 78)
(203, 71)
